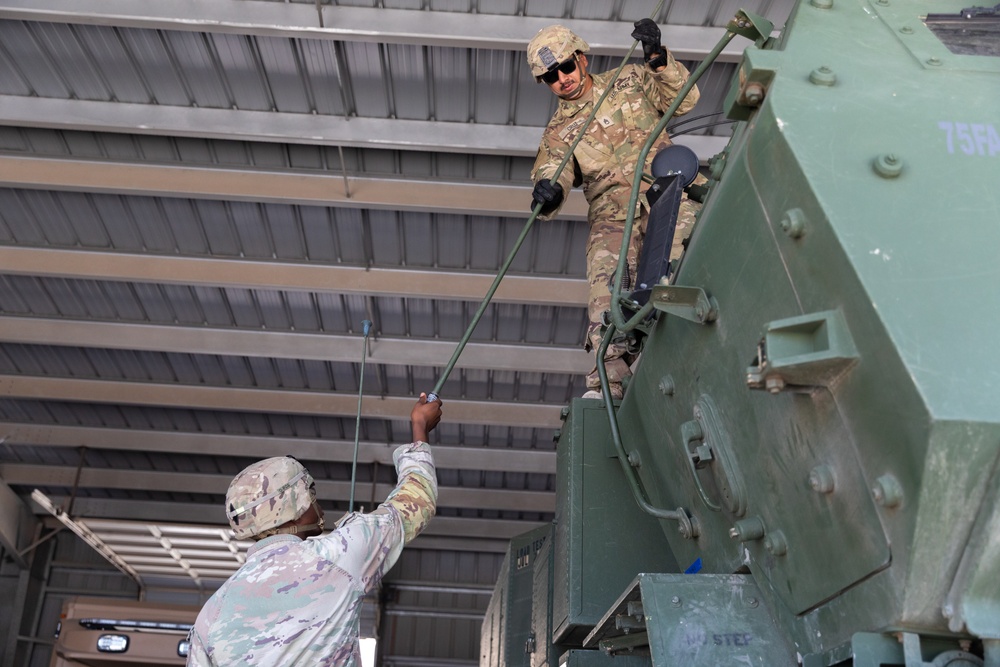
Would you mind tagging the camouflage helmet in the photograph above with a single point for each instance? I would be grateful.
(551, 46)
(267, 494)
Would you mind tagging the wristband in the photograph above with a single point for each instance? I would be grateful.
(658, 61)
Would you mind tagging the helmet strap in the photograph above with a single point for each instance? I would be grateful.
(291, 528)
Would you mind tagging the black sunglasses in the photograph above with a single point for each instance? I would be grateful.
(567, 67)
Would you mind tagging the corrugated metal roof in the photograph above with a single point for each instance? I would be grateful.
(199, 208)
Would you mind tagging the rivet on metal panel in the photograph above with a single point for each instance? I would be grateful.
(821, 4)
(774, 383)
(675, 601)
(884, 3)
(687, 525)
(888, 492)
(753, 602)
(775, 543)
(556, 435)
(564, 413)
(793, 223)
(906, 30)
(753, 94)
(935, 62)
(748, 529)
(667, 386)
(821, 479)
(717, 165)
(888, 165)
(634, 459)
(822, 76)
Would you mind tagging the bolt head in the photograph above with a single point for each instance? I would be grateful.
(823, 76)
(888, 165)
(821, 479)
(887, 491)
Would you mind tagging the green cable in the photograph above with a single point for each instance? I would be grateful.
(524, 232)
(367, 325)
(637, 491)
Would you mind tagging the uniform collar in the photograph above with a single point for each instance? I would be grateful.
(268, 542)
(570, 108)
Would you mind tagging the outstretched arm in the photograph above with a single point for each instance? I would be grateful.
(414, 499)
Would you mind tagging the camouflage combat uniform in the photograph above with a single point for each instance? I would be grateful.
(297, 602)
(606, 159)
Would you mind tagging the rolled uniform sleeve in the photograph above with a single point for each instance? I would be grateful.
(414, 500)
(550, 155)
(376, 540)
(662, 87)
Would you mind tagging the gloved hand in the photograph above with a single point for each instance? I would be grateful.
(548, 194)
(647, 32)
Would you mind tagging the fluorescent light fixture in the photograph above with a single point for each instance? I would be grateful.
(368, 645)
(112, 643)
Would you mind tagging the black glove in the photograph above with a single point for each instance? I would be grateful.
(648, 33)
(548, 194)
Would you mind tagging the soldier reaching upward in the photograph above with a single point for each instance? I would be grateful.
(605, 159)
(297, 599)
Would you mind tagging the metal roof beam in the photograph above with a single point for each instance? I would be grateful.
(290, 345)
(306, 449)
(388, 26)
(22, 474)
(451, 533)
(309, 188)
(477, 535)
(292, 128)
(241, 399)
(295, 128)
(320, 278)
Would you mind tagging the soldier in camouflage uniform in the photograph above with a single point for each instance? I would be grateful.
(297, 601)
(604, 161)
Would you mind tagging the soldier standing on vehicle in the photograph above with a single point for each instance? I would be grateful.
(604, 161)
(297, 599)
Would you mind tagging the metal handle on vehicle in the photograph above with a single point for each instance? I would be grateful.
(692, 432)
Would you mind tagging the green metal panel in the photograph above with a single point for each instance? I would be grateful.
(507, 624)
(874, 650)
(602, 540)
(543, 652)
(840, 416)
(699, 620)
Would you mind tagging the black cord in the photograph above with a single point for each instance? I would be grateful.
(702, 127)
(691, 120)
